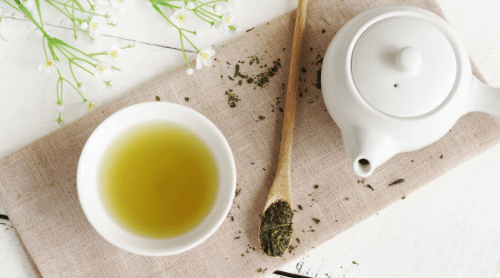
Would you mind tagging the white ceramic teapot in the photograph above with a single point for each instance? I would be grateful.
(396, 79)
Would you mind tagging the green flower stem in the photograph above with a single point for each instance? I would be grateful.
(208, 3)
(77, 4)
(200, 8)
(53, 5)
(200, 14)
(73, 48)
(188, 31)
(183, 52)
(39, 12)
(28, 14)
(64, 79)
(82, 10)
(59, 100)
(74, 25)
(52, 52)
(162, 14)
(92, 7)
(86, 34)
(97, 54)
(197, 50)
(60, 77)
(44, 49)
(71, 69)
(166, 4)
(83, 60)
(80, 66)
(14, 7)
(62, 50)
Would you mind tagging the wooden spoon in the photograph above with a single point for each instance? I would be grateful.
(281, 189)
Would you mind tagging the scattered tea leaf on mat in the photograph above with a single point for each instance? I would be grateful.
(316, 220)
(316, 186)
(397, 182)
(369, 186)
(276, 229)
(157, 98)
(237, 192)
(231, 98)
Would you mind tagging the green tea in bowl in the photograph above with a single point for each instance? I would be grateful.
(156, 178)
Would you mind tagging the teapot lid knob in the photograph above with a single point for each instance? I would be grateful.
(403, 65)
(409, 58)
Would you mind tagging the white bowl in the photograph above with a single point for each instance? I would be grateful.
(103, 135)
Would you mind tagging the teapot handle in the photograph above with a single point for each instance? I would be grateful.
(483, 98)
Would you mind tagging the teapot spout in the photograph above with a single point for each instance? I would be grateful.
(368, 149)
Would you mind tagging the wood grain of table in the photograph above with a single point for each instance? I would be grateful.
(449, 228)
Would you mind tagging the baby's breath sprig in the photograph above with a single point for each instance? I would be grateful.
(55, 49)
(216, 13)
(89, 15)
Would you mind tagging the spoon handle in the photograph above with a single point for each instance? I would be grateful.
(292, 88)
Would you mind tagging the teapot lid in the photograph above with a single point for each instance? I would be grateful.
(404, 66)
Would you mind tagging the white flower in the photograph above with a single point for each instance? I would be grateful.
(84, 26)
(218, 8)
(103, 71)
(4, 21)
(60, 107)
(190, 5)
(204, 57)
(102, 2)
(96, 26)
(121, 4)
(136, 45)
(47, 65)
(28, 3)
(109, 85)
(82, 89)
(112, 18)
(227, 21)
(223, 7)
(179, 17)
(115, 52)
(89, 106)
(189, 71)
(216, 25)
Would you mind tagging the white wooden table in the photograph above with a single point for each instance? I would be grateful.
(449, 228)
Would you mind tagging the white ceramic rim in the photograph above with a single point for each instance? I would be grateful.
(88, 192)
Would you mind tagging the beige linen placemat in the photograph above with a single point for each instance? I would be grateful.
(38, 185)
